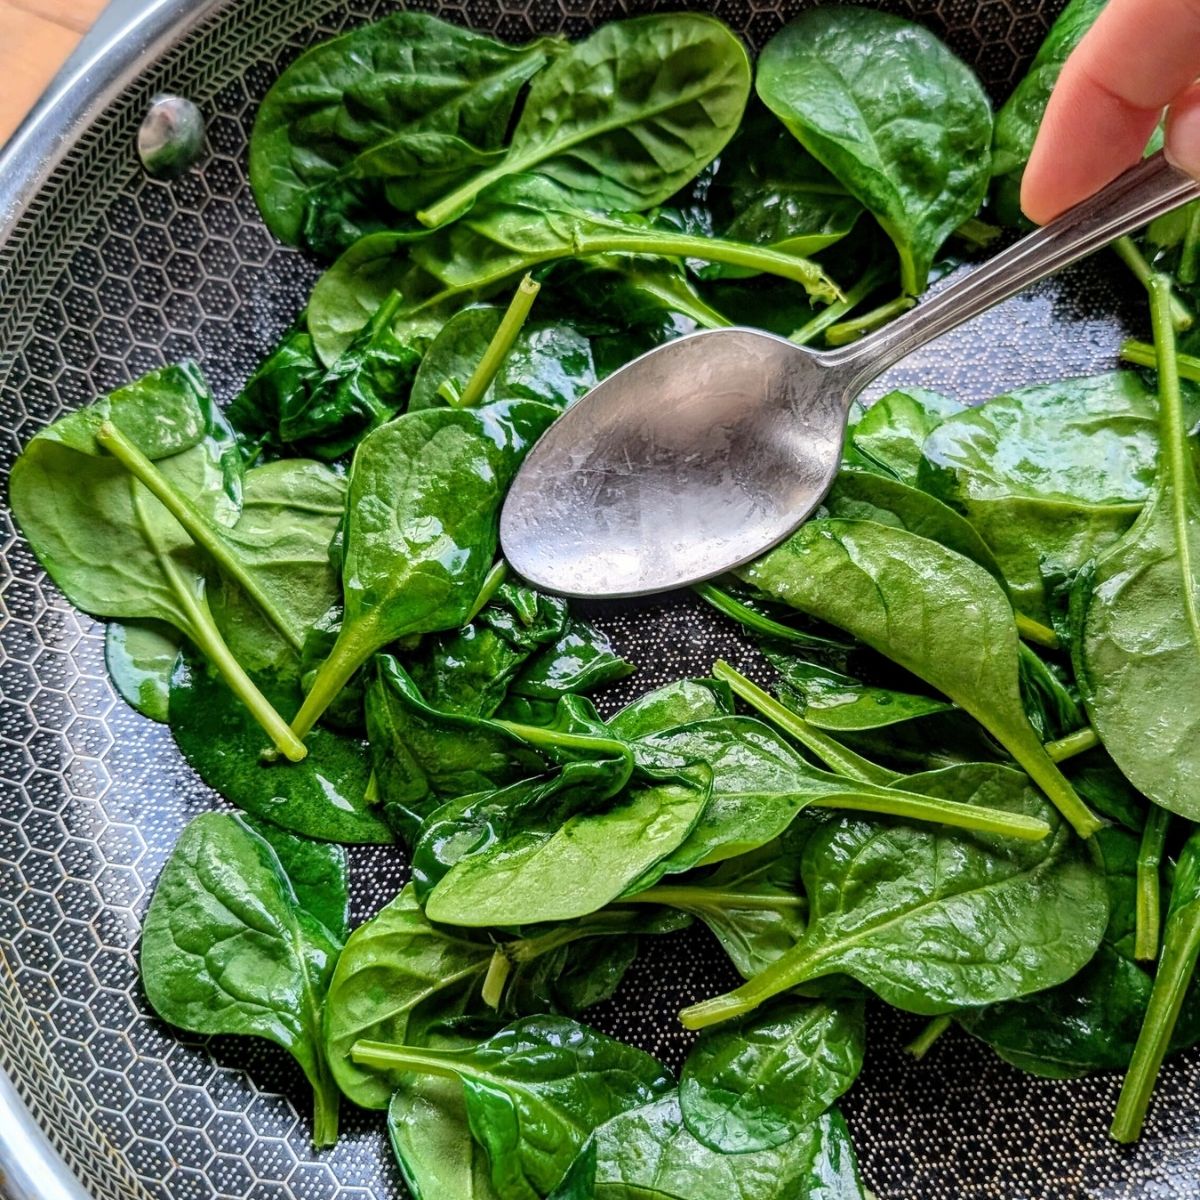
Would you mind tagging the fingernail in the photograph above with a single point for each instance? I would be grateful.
(1183, 132)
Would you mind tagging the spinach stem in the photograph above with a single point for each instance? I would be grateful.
(845, 332)
(496, 977)
(195, 525)
(1189, 256)
(831, 752)
(491, 585)
(1181, 316)
(1142, 354)
(1075, 743)
(872, 278)
(1034, 631)
(695, 898)
(1149, 866)
(208, 639)
(351, 651)
(912, 807)
(539, 736)
(1177, 964)
(792, 968)
(723, 602)
(501, 345)
(327, 1098)
(687, 303)
(923, 1042)
(386, 1057)
(681, 245)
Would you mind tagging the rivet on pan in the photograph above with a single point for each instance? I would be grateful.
(171, 137)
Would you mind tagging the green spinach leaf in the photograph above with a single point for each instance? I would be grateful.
(386, 105)
(907, 598)
(754, 1085)
(422, 512)
(932, 919)
(1050, 475)
(892, 432)
(1138, 613)
(533, 1092)
(626, 117)
(550, 361)
(140, 656)
(916, 155)
(519, 224)
(229, 946)
(649, 1153)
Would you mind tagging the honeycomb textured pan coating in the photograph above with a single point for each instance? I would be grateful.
(110, 275)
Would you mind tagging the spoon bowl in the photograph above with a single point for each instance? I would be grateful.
(683, 464)
(707, 451)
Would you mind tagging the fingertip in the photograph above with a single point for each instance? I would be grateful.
(1183, 132)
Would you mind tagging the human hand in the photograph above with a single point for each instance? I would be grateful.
(1139, 57)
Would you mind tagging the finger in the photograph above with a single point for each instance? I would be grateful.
(1183, 131)
(1137, 57)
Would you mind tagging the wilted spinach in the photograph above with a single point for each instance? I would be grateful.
(385, 116)
(626, 117)
(518, 224)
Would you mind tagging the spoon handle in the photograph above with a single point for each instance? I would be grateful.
(1134, 199)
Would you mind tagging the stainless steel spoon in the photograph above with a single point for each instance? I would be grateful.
(704, 453)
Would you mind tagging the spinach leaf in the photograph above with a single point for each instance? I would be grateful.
(1017, 123)
(753, 1085)
(892, 432)
(293, 402)
(837, 702)
(533, 1093)
(760, 783)
(469, 670)
(581, 660)
(916, 155)
(933, 919)
(425, 756)
(109, 544)
(674, 704)
(906, 597)
(400, 975)
(1050, 475)
(549, 869)
(649, 1153)
(286, 376)
(385, 105)
(140, 656)
(325, 796)
(777, 195)
(863, 496)
(1138, 613)
(520, 223)
(626, 117)
(1091, 1022)
(430, 1136)
(754, 905)
(550, 361)
(1176, 969)
(230, 947)
(421, 528)
(290, 510)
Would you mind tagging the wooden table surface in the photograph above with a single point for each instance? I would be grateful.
(35, 38)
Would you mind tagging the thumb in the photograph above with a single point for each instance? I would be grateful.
(1183, 131)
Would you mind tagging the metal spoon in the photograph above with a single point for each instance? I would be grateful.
(704, 453)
